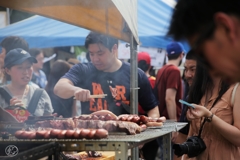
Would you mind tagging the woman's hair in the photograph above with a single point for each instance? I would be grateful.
(13, 42)
(6, 77)
(59, 68)
(202, 83)
(34, 52)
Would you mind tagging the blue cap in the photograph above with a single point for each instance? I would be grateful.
(174, 48)
(17, 56)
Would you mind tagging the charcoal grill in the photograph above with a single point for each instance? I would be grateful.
(118, 143)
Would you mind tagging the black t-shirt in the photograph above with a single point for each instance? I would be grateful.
(115, 84)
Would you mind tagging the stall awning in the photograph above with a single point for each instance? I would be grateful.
(104, 16)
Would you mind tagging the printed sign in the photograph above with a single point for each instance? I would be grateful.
(20, 114)
(157, 55)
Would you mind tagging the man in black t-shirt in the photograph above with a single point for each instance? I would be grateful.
(105, 74)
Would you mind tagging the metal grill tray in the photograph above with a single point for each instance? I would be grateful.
(146, 135)
(118, 143)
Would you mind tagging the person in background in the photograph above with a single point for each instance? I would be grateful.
(39, 76)
(18, 67)
(105, 74)
(144, 63)
(216, 111)
(169, 83)
(63, 107)
(169, 86)
(189, 74)
(12, 42)
(8, 44)
(73, 61)
(212, 28)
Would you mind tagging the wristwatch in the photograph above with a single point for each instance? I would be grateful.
(209, 119)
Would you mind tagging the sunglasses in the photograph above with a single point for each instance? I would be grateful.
(197, 47)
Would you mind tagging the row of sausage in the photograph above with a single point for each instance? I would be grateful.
(62, 134)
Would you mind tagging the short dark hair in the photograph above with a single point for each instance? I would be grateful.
(143, 65)
(173, 56)
(94, 37)
(192, 16)
(13, 42)
(191, 56)
(34, 52)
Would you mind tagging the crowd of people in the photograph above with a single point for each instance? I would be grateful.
(209, 81)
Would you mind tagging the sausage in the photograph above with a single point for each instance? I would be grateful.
(104, 113)
(154, 124)
(108, 117)
(62, 134)
(47, 135)
(161, 119)
(143, 127)
(143, 119)
(102, 118)
(25, 134)
(91, 134)
(28, 134)
(84, 117)
(136, 119)
(84, 133)
(88, 117)
(76, 134)
(18, 134)
(69, 134)
(40, 134)
(54, 133)
(95, 117)
(150, 119)
(101, 133)
(32, 135)
(123, 118)
(75, 117)
(130, 117)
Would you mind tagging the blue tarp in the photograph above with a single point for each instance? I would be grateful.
(153, 21)
(44, 32)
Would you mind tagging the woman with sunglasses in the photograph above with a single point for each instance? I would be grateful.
(215, 118)
(18, 69)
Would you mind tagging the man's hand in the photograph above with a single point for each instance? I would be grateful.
(82, 95)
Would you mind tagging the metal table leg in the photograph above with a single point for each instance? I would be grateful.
(121, 150)
(167, 147)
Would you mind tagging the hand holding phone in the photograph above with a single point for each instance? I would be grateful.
(186, 103)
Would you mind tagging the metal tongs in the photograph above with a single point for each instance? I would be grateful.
(96, 96)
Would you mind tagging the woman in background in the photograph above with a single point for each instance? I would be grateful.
(63, 107)
(18, 70)
(39, 76)
(217, 111)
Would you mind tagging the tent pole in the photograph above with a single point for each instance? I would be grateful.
(8, 15)
(134, 87)
(133, 77)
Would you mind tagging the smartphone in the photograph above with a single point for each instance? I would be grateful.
(186, 103)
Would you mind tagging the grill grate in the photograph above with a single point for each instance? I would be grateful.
(146, 135)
